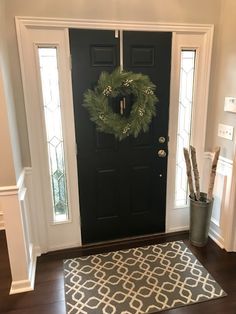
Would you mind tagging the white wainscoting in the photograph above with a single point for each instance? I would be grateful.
(32, 249)
(17, 210)
(222, 228)
(222, 189)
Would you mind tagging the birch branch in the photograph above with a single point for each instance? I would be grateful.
(213, 173)
(189, 173)
(195, 171)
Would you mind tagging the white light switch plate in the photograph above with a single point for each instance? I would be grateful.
(230, 104)
(226, 131)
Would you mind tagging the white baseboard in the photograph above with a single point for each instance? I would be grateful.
(176, 229)
(63, 247)
(21, 286)
(218, 239)
(27, 285)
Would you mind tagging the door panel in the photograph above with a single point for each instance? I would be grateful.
(104, 141)
(107, 193)
(157, 67)
(103, 56)
(142, 56)
(92, 52)
(121, 191)
(150, 54)
(141, 189)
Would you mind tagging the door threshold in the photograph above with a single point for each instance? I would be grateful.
(134, 239)
(116, 245)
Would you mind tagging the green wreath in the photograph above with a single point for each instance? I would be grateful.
(122, 83)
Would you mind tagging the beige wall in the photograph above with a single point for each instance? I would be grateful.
(190, 11)
(179, 11)
(223, 79)
(7, 171)
(10, 156)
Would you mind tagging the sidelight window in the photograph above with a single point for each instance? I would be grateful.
(54, 131)
(186, 93)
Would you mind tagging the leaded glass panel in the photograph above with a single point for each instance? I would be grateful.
(53, 124)
(184, 123)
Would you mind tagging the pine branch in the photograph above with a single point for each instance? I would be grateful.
(189, 173)
(195, 171)
(213, 173)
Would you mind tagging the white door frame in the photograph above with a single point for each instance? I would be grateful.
(25, 24)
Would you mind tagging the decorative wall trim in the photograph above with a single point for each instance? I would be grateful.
(222, 217)
(37, 229)
(222, 163)
(23, 249)
(8, 190)
(13, 189)
(222, 229)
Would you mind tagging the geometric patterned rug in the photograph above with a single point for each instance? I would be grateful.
(140, 280)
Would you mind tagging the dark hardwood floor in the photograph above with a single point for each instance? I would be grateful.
(48, 296)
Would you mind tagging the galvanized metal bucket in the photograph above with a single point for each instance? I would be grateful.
(200, 217)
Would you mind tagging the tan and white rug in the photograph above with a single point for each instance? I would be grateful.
(139, 280)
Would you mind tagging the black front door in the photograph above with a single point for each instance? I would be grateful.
(122, 185)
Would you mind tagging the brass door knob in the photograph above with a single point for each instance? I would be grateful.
(161, 153)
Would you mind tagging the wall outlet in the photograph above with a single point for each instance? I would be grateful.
(226, 131)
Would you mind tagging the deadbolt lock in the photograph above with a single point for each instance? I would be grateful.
(161, 139)
(161, 153)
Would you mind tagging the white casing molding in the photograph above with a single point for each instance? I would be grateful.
(177, 218)
(51, 235)
(28, 31)
(22, 249)
(63, 23)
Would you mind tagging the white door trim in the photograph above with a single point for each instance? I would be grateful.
(24, 24)
(178, 217)
(47, 22)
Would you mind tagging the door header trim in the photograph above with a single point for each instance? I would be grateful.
(113, 25)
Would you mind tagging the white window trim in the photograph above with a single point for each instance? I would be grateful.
(25, 24)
